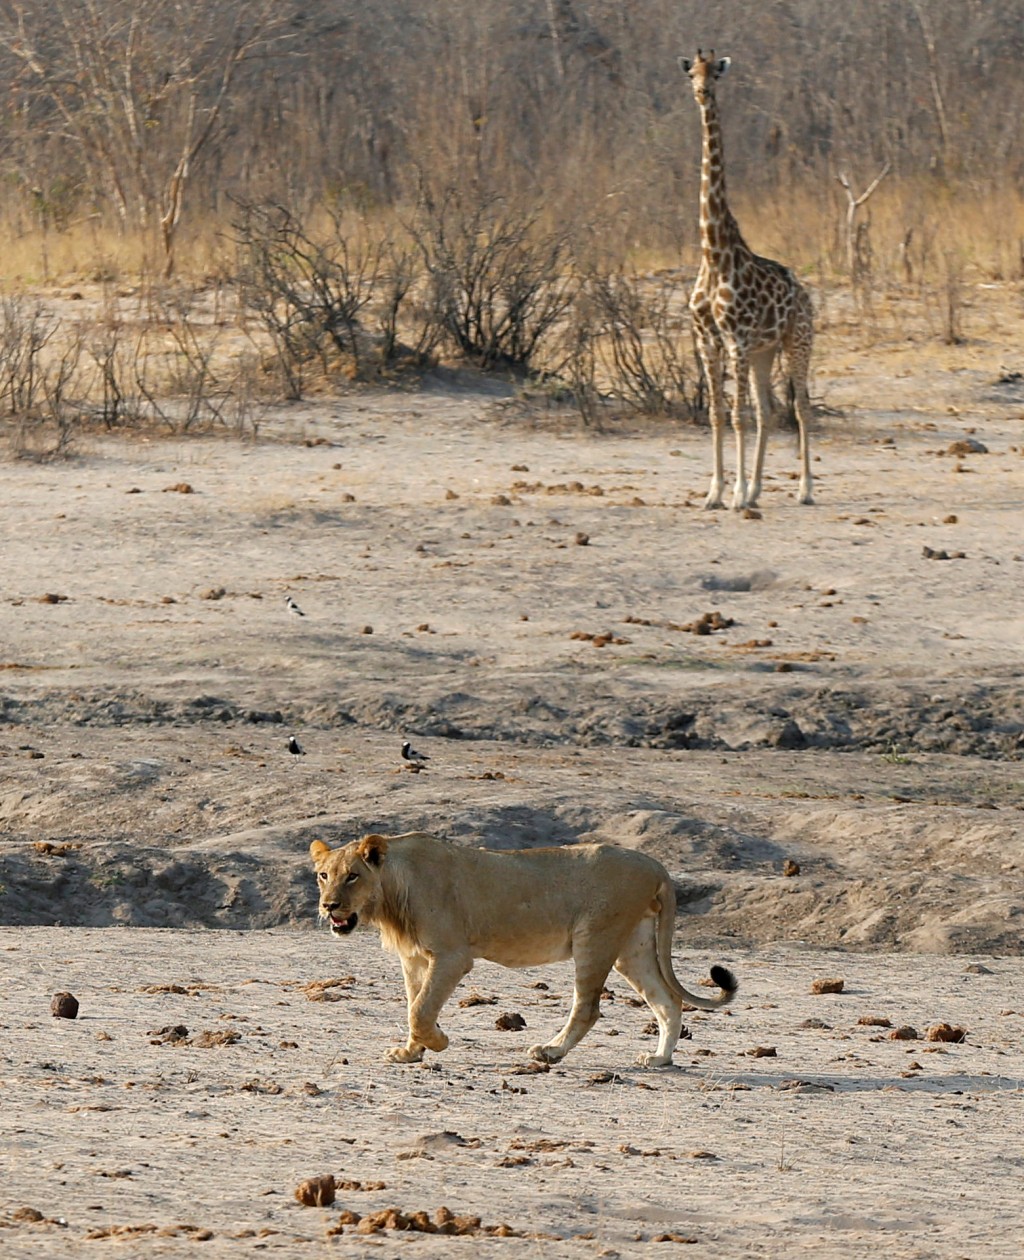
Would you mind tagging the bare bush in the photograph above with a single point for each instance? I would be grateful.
(39, 372)
(627, 340)
(309, 290)
(499, 284)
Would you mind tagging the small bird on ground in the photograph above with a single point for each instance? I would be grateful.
(295, 748)
(410, 754)
(293, 607)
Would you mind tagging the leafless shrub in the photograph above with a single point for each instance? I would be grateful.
(399, 306)
(25, 330)
(627, 337)
(39, 370)
(309, 290)
(499, 283)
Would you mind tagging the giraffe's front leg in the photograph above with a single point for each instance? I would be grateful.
(740, 369)
(711, 361)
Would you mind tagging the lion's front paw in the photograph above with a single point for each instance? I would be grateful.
(404, 1054)
(545, 1054)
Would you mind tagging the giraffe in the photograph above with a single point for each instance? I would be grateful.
(746, 309)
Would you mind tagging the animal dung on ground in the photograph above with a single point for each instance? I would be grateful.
(64, 1006)
(790, 868)
(827, 986)
(875, 1021)
(945, 1032)
(763, 1052)
(904, 1033)
(510, 1021)
(316, 1191)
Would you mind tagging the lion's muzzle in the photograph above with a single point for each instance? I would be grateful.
(342, 927)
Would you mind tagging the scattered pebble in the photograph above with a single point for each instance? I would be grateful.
(827, 986)
(64, 1006)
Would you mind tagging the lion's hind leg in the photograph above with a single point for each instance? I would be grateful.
(638, 963)
(591, 974)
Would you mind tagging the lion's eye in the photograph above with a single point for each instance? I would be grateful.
(322, 876)
(352, 877)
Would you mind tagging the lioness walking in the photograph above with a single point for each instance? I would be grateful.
(439, 907)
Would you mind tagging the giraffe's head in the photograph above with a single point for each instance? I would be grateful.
(703, 72)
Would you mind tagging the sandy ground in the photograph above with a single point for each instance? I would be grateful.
(788, 1126)
(520, 598)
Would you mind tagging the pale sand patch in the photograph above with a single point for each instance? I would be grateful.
(843, 1142)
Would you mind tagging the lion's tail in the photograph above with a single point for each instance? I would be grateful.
(722, 976)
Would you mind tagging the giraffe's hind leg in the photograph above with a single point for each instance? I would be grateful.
(797, 362)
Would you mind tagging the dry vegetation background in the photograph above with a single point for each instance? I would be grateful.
(363, 187)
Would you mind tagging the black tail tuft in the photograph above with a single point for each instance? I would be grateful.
(724, 978)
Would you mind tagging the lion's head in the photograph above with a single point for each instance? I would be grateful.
(349, 880)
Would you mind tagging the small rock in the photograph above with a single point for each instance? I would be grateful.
(904, 1033)
(790, 868)
(790, 737)
(967, 446)
(510, 1021)
(179, 487)
(214, 592)
(827, 986)
(875, 1021)
(763, 1052)
(64, 1006)
(581, 539)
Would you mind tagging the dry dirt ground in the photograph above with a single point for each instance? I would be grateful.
(524, 600)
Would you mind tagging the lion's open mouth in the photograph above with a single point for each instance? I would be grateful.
(342, 927)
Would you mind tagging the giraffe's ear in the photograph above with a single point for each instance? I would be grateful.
(721, 66)
(684, 64)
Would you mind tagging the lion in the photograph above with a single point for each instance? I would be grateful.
(440, 907)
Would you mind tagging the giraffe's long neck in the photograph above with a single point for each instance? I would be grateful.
(719, 231)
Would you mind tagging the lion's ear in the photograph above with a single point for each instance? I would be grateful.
(372, 849)
(318, 851)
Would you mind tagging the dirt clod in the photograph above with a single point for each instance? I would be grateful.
(316, 1191)
(64, 1006)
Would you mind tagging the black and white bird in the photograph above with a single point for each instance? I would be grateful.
(293, 607)
(410, 754)
(295, 748)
